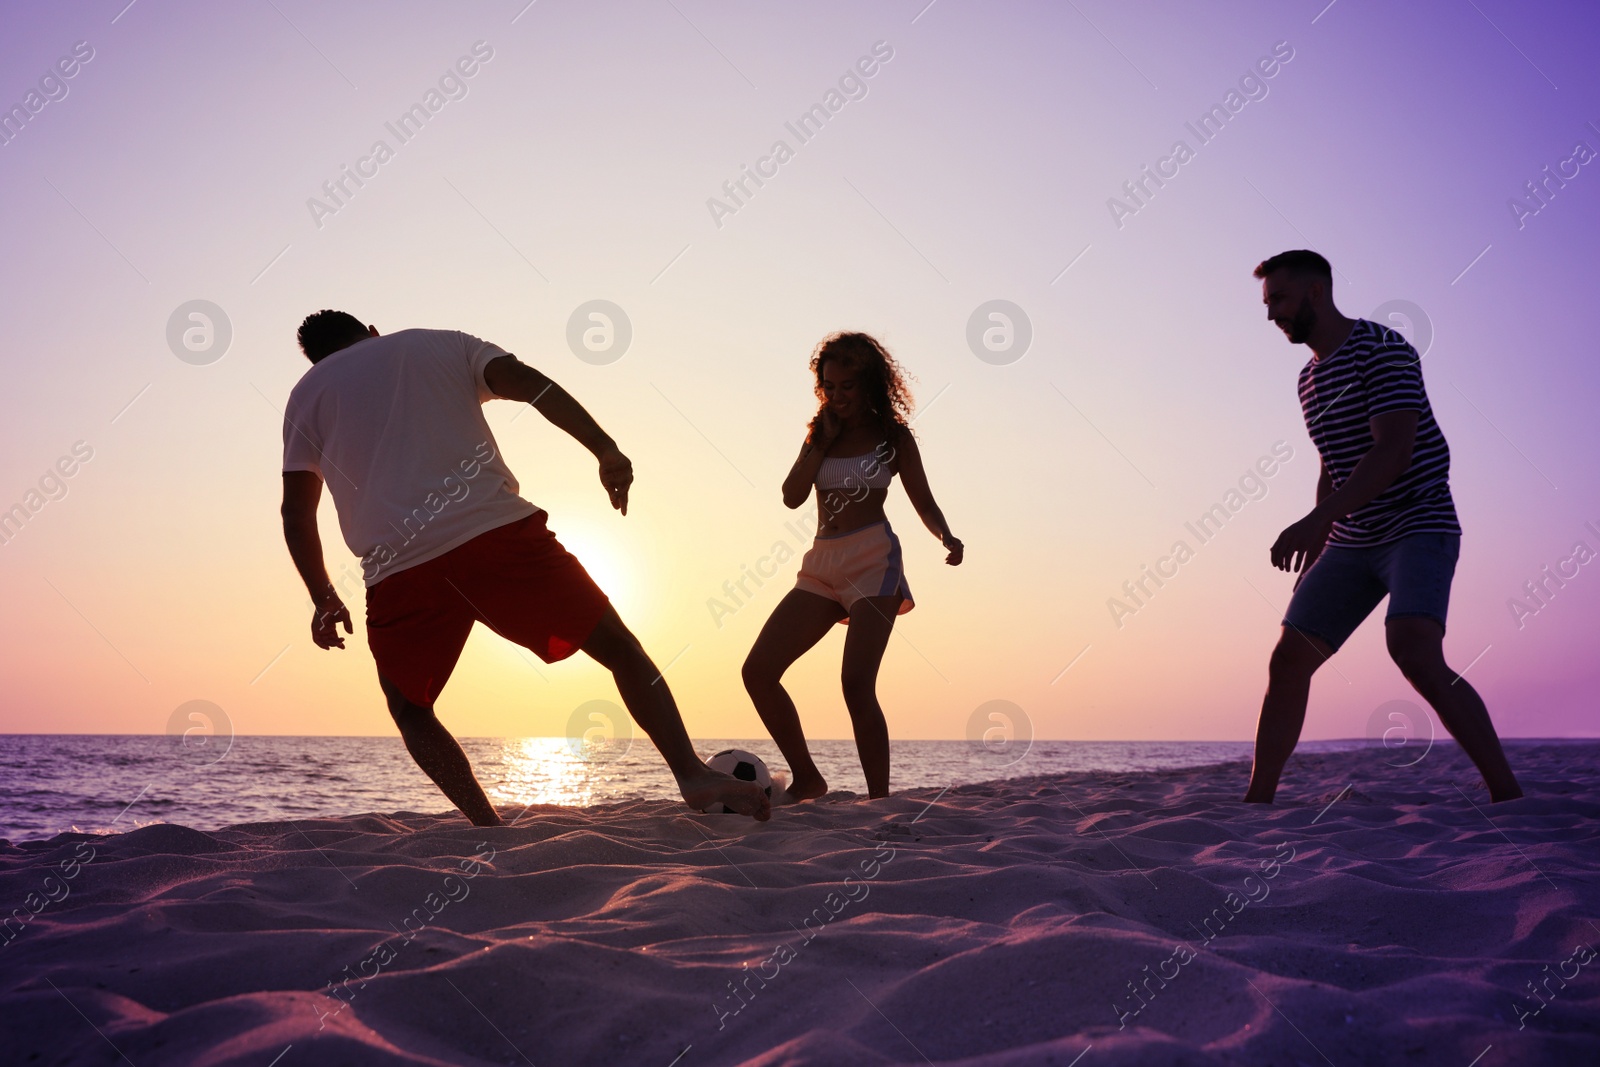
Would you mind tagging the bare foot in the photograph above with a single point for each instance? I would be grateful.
(709, 787)
(801, 789)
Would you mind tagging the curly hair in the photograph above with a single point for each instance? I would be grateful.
(880, 377)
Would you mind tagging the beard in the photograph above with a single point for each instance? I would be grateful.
(1299, 328)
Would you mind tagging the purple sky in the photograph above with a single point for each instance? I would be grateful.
(978, 162)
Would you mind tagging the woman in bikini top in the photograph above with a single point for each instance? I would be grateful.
(857, 442)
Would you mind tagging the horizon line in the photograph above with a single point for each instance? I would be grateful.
(1037, 740)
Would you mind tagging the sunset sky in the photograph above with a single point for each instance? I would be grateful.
(585, 159)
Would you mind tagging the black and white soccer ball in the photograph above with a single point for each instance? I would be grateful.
(745, 766)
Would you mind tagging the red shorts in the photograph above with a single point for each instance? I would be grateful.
(516, 579)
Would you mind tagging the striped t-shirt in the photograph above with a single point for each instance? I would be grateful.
(1373, 372)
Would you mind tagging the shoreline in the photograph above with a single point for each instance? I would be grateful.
(507, 809)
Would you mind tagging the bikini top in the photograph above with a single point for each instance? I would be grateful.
(870, 469)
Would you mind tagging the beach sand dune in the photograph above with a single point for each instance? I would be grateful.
(1375, 915)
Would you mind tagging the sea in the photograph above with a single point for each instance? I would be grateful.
(90, 783)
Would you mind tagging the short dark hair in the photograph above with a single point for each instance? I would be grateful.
(1298, 262)
(325, 332)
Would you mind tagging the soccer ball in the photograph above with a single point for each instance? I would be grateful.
(745, 766)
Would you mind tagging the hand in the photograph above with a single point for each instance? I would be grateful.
(953, 543)
(828, 427)
(325, 624)
(616, 474)
(1298, 546)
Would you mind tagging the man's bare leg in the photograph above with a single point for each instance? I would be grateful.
(1416, 645)
(645, 694)
(1283, 711)
(439, 756)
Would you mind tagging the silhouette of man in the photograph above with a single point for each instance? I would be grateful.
(1384, 525)
(394, 425)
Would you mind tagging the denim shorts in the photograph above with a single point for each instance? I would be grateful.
(1345, 583)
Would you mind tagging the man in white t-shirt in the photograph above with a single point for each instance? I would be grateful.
(394, 426)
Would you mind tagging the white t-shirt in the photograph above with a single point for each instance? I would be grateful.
(394, 425)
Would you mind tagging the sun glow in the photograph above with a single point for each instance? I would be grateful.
(569, 771)
(610, 558)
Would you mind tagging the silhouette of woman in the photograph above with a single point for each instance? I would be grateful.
(856, 443)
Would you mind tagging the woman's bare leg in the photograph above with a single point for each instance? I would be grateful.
(871, 622)
(800, 620)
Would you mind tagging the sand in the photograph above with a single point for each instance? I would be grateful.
(1374, 915)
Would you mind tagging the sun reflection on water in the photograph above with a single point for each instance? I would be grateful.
(571, 773)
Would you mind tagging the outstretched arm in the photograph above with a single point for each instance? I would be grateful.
(509, 377)
(301, 492)
(915, 479)
(1394, 433)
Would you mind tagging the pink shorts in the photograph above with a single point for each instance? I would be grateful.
(864, 562)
